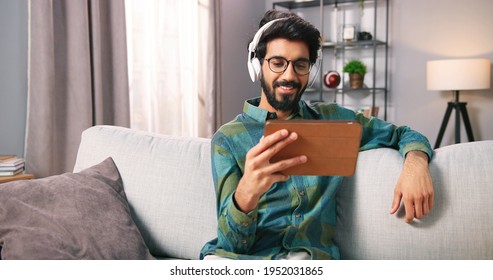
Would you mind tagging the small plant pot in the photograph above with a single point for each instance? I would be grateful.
(356, 80)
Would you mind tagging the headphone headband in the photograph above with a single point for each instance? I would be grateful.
(253, 44)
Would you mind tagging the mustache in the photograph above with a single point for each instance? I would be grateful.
(287, 84)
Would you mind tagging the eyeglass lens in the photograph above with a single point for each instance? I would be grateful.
(280, 64)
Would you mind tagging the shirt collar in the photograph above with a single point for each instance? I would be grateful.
(251, 109)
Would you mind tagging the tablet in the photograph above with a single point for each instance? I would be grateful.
(331, 146)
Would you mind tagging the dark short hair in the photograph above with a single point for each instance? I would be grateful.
(294, 28)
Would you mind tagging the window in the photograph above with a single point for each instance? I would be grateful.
(171, 65)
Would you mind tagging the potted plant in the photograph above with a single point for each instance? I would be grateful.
(356, 70)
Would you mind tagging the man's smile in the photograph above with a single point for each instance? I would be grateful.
(287, 87)
(287, 90)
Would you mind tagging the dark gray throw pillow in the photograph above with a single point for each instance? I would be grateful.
(81, 215)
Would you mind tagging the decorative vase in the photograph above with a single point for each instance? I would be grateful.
(356, 80)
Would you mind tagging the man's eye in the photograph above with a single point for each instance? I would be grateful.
(278, 63)
(301, 65)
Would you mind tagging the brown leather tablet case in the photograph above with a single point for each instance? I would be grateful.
(331, 146)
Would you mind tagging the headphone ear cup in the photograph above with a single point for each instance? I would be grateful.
(256, 68)
(314, 73)
(251, 70)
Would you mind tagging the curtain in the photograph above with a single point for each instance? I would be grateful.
(173, 67)
(77, 78)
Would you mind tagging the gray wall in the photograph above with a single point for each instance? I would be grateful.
(13, 76)
(425, 30)
(240, 20)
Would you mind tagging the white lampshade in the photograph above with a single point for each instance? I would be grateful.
(458, 74)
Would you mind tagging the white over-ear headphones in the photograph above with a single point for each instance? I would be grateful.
(254, 67)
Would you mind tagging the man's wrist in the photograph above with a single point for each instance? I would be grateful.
(245, 202)
(417, 157)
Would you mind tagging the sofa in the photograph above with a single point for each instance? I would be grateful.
(169, 191)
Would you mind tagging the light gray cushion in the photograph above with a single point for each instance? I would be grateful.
(70, 216)
(460, 226)
(168, 182)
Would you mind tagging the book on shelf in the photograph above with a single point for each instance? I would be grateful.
(11, 165)
(11, 173)
(11, 161)
(12, 168)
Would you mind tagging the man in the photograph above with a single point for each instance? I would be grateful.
(263, 213)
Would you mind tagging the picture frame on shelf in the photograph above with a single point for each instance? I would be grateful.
(348, 33)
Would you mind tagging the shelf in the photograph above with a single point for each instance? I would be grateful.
(314, 3)
(346, 90)
(22, 176)
(353, 44)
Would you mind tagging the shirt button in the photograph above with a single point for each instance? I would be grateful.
(243, 241)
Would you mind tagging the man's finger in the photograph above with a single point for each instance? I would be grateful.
(287, 163)
(267, 141)
(431, 200)
(396, 202)
(418, 208)
(409, 207)
(281, 144)
(426, 207)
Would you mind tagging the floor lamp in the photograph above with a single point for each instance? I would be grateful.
(456, 75)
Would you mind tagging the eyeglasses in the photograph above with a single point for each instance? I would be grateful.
(279, 64)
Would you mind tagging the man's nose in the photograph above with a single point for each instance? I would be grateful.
(289, 74)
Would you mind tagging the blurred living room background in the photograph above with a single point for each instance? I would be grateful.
(419, 31)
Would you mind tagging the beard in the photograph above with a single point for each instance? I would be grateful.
(287, 102)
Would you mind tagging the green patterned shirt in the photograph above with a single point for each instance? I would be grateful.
(296, 215)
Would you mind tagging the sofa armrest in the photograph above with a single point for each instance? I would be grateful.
(460, 226)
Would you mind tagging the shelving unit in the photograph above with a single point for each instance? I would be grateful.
(334, 15)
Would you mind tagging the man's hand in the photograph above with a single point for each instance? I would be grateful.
(260, 174)
(414, 187)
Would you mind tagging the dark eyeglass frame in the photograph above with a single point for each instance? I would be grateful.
(286, 65)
